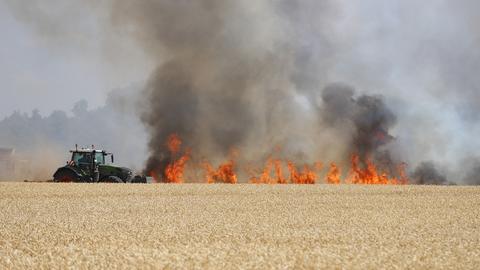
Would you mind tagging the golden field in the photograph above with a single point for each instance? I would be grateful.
(218, 226)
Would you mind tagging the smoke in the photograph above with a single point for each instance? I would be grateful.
(218, 72)
(258, 75)
(471, 167)
(216, 80)
(427, 174)
(367, 117)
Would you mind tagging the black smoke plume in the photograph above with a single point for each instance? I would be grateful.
(213, 73)
(427, 173)
(368, 117)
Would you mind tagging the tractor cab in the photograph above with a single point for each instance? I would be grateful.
(88, 157)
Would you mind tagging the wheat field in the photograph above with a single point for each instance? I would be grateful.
(46, 225)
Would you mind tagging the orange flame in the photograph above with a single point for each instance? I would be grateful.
(224, 174)
(307, 176)
(402, 172)
(370, 174)
(365, 172)
(266, 178)
(174, 143)
(175, 169)
(278, 172)
(333, 175)
(154, 175)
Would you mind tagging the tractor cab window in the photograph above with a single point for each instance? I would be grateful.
(99, 158)
(82, 158)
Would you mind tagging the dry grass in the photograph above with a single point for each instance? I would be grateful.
(238, 226)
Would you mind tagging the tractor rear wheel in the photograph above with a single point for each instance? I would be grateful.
(65, 176)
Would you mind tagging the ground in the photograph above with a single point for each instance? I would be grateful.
(238, 226)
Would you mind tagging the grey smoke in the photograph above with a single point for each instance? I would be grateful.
(427, 173)
(368, 114)
(471, 167)
(216, 66)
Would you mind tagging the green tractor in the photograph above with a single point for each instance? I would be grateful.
(90, 165)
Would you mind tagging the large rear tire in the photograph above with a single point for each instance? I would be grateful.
(65, 176)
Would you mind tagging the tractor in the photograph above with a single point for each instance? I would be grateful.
(90, 165)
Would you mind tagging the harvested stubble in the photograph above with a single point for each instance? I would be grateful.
(238, 226)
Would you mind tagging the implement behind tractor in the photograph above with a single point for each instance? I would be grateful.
(90, 165)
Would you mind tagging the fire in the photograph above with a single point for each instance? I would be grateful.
(174, 143)
(278, 171)
(155, 176)
(370, 175)
(361, 172)
(402, 172)
(175, 169)
(333, 175)
(266, 178)
(225, 173)
(307, 176)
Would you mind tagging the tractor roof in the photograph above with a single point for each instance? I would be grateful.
(86, 150)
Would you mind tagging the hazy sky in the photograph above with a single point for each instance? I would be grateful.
(50, 72)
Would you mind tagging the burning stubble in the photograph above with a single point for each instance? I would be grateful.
(221, 84)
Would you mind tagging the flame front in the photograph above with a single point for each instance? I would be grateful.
(360, 172)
